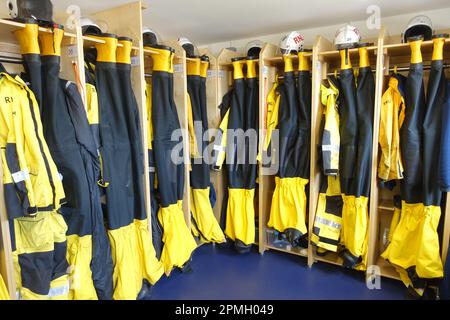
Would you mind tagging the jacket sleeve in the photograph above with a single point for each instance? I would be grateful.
(273, 106)
(385, 134)
(17, 189)
(330, 146)
(220, 143)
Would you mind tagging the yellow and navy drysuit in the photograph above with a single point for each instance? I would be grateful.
(348, 131)
(391, 120)
(4, 294)
(121, 153)
(355, 214)
(178, 241)
(429, 265)
(67, 132)
(204, 223)
(157, 231)
(414, 249)
(240, 120)
(33, 193)
(328, 216)
(288, 209)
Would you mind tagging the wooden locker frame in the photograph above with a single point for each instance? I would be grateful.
(325, 59)
(392, 52)
(270, 63)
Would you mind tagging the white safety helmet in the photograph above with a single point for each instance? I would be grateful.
(149, 37)
(253, 48)
(346, 37)
(418, 26)
(89, 27)
(188, 46)
(291, 42)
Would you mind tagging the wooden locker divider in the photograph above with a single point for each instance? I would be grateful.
(271, 64)
(224, 78)
(319, 70)
(393, 52)
(325, 60)
(380, 205)
(126, 20)
(6, 260)
(267, 73)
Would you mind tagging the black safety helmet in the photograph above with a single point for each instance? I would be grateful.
(253, 48)
(188, 46)
(89, 27)
(40, 10)
(419, 26)
(149, 37)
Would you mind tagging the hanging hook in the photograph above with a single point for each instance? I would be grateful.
(335, 73)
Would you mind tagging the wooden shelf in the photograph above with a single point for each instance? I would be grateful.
(386, 205)
(406, 45)
(8, 27)
(300, 252)
(330, 257)
(229, 64)
(335, 53)
(96, 40)
(387, 270)
(403, 49)
(279, 59)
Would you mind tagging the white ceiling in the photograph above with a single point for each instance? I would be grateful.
(211, 21)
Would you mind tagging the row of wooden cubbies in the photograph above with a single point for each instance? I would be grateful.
(126, 20)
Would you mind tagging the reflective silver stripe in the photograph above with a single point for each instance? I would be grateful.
(20, 176)
(330, 147)
(219, 148)
(59, 291)
(327, 222)
(151, 169)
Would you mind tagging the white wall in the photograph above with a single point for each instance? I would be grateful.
(394, 25)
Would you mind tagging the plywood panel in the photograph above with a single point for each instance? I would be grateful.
(374, 193)
(319, 69)
(267, 73)
(446, 233)
(6, 259)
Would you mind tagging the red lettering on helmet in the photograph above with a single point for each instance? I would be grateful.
(298, 39)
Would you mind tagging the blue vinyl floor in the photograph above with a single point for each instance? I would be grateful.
(221, 273)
